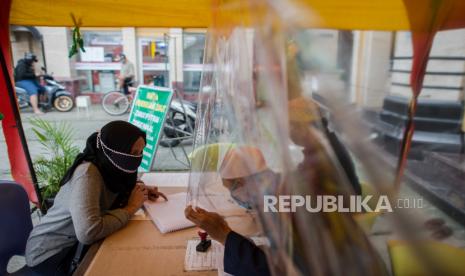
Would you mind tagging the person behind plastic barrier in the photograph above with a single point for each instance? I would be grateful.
(26, 78)
(126, 76)
(305, 122)
(245, 165)
(98, 195)
(327, 169)
(240, 167)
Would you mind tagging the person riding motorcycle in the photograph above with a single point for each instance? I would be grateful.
(26, 78)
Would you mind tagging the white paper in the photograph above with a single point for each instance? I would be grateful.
(213, 258)
(168, 216)
(201, 261)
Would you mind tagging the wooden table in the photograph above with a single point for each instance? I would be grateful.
(140, 249)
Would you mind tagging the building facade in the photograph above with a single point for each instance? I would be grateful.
(168, 57)
(370, 65)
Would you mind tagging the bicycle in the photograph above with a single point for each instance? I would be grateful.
(116, 103)
(180, 120)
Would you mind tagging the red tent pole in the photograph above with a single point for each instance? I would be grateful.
(21, 165)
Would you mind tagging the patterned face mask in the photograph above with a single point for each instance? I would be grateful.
(125, 162)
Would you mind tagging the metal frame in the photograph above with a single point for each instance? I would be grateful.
(177, 131)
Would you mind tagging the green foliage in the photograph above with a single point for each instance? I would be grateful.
(59, 153)
(78, 42)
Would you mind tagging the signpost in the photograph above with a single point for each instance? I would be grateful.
(148, 112)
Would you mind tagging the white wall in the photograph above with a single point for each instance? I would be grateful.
(370, 68)
(175, 53)
(130, 48)
(56, 51)
(446, 44)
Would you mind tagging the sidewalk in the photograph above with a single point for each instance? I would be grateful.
(85, 126)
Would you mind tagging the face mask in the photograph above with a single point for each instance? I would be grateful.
(239, 194)
(125, 162)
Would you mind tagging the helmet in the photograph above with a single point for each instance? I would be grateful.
(121, 57)
(30, 57)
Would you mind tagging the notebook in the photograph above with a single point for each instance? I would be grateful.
(168, 216)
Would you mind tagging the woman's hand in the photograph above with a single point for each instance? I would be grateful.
(153, 193)
(138, 195)
(212, 223)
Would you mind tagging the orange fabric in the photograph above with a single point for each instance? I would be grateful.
(332, 14)
(426, 18)
(301, 110)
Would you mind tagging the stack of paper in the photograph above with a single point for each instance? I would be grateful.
(213, 258)
(168, 216)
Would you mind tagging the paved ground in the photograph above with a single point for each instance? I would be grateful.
(84, 126)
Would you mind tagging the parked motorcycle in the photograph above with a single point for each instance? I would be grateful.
(55, 96)
(179, 123)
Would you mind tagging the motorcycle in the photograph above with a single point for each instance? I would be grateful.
(179, 123)
(55, 96)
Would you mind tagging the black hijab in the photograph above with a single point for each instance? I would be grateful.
(119, 136)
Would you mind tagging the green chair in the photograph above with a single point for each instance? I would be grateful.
(206, 158)
(367, 190)
(367, 220)
(448, 260)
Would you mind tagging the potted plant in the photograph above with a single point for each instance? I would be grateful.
(58, 155)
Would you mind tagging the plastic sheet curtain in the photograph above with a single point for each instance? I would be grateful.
(261, 134)
(265, 132)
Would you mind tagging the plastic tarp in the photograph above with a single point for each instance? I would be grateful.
(266, 133)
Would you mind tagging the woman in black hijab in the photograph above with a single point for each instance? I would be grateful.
(97, 197)
(108, 150)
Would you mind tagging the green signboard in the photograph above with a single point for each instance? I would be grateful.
(149, 109)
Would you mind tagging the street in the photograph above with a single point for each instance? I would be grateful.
(84, 126)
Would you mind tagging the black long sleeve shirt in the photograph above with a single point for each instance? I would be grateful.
(24, 71)
(243, 258)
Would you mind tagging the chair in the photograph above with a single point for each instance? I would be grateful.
(205, 158)
(448, 260)
(15, 223)
(367, 220)
(369, 190)
(83, 102)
